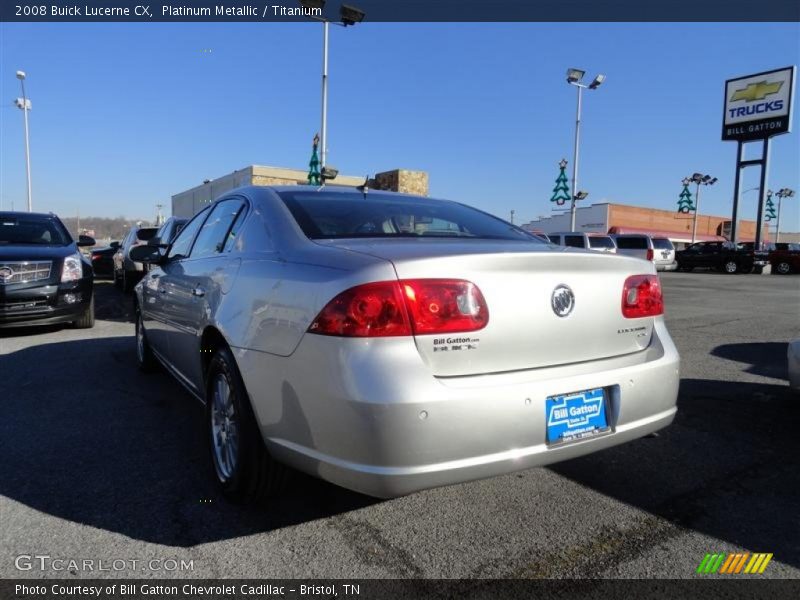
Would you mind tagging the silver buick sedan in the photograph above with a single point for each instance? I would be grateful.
(390, 343)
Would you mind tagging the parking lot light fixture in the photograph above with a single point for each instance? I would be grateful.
(349, 15)
(597, 81)
(698, 179)
(574, 77)
(25, 105)
(781, 194)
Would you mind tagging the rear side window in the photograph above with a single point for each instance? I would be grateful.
(555, 239)
(632, 243)
(601, 241)
(574, 241)
(662, 244)
(215, 230)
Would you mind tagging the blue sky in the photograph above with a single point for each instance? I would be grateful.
(125, 115)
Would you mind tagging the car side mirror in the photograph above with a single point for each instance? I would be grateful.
(114, 245)
(156, 241)
(85, 240)
(151, 255)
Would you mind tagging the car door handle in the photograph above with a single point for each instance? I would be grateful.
(199, 292)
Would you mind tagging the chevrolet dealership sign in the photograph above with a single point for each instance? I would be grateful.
(758, 106)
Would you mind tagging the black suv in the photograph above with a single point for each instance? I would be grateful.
(44, 279)
(723, 256)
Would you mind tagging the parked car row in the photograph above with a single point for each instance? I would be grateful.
(658, 250)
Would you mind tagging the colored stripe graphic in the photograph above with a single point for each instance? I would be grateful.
(740, 564)
(730, 564)
(765, 563)
(701, 568)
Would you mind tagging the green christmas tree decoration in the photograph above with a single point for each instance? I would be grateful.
(313, 165)
(561, 191)
(685, 203)
(770, 208)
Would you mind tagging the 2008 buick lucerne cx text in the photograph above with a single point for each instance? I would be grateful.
(390, 343)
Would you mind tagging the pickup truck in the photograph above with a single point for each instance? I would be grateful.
(785, 258)
(723, 256)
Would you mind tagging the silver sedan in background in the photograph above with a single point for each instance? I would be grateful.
(390, 343)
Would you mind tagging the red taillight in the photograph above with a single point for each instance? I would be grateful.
(641, 297)
(96, 256)
(444, 305)
(406, 307)
(369, 310)
(650, 254)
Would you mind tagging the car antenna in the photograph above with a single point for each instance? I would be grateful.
(364, 187)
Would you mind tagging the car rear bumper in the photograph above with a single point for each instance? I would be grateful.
(367, 414)
(667, 266)
(47, 304)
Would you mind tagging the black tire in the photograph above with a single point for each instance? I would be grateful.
(252, 475)
(685, 268)
(145, 359)
(783, 268)
(731, 267)
(86, 321)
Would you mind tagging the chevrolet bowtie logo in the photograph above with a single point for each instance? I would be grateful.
(756, 91)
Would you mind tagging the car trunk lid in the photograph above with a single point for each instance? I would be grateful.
(518, 281)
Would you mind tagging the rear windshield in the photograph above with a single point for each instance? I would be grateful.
(632, 243)
(601, 242)
(38, 230)
(662, 244)
(341, 215)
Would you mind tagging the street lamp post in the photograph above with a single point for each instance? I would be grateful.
(699, 179)
(781, 194)
(349, 15)
(25, 104)
(574, 77)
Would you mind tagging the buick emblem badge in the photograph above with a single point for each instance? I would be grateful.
(6, 273)
(562, 300)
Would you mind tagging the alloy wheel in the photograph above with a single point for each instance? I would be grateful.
(224, 428)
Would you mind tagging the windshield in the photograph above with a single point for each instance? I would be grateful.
(337, 215)
(662, 244)
(39, 230)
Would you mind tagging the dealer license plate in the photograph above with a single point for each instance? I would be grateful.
(576, 416)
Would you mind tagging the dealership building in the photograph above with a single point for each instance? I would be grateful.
(608, 217)
(189, 202)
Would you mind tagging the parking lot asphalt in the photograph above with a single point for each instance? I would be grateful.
(100, 462)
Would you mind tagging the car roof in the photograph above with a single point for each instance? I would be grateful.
(589, 233)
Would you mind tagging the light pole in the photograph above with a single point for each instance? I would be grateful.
(699, 179)
(349, 15)
(25, 105)
(574, 77)
(781, 194)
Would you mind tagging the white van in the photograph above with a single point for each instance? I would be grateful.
(592, 241)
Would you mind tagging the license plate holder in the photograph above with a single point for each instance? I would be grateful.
(576, 416)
